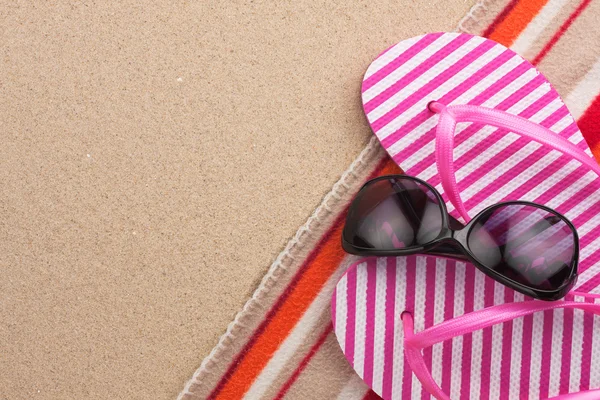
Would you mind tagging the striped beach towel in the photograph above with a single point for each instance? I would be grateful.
(282, 343)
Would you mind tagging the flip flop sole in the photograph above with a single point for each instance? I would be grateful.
(536, 357)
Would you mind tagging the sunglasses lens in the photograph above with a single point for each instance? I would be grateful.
(527, 244)
(393, 213)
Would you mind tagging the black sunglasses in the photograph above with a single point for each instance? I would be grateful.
(525, 246)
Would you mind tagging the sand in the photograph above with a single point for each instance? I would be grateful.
(156, 158)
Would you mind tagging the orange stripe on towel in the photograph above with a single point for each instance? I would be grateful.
(310, 283)
(511, 26)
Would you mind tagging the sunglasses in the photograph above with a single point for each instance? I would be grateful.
(525, 246)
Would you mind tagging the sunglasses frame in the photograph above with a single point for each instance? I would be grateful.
(457, 239)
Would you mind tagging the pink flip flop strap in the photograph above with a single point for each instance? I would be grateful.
(468, 323)
(444, 144)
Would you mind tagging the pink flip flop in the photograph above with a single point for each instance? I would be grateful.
(420, 326)
(496, 131)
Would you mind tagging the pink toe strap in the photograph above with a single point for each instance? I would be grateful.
(587, 395)
(468, 323)
(451, 115)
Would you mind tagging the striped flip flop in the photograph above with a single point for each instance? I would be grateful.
(491, 165)
(551, 348)
(547, 352)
